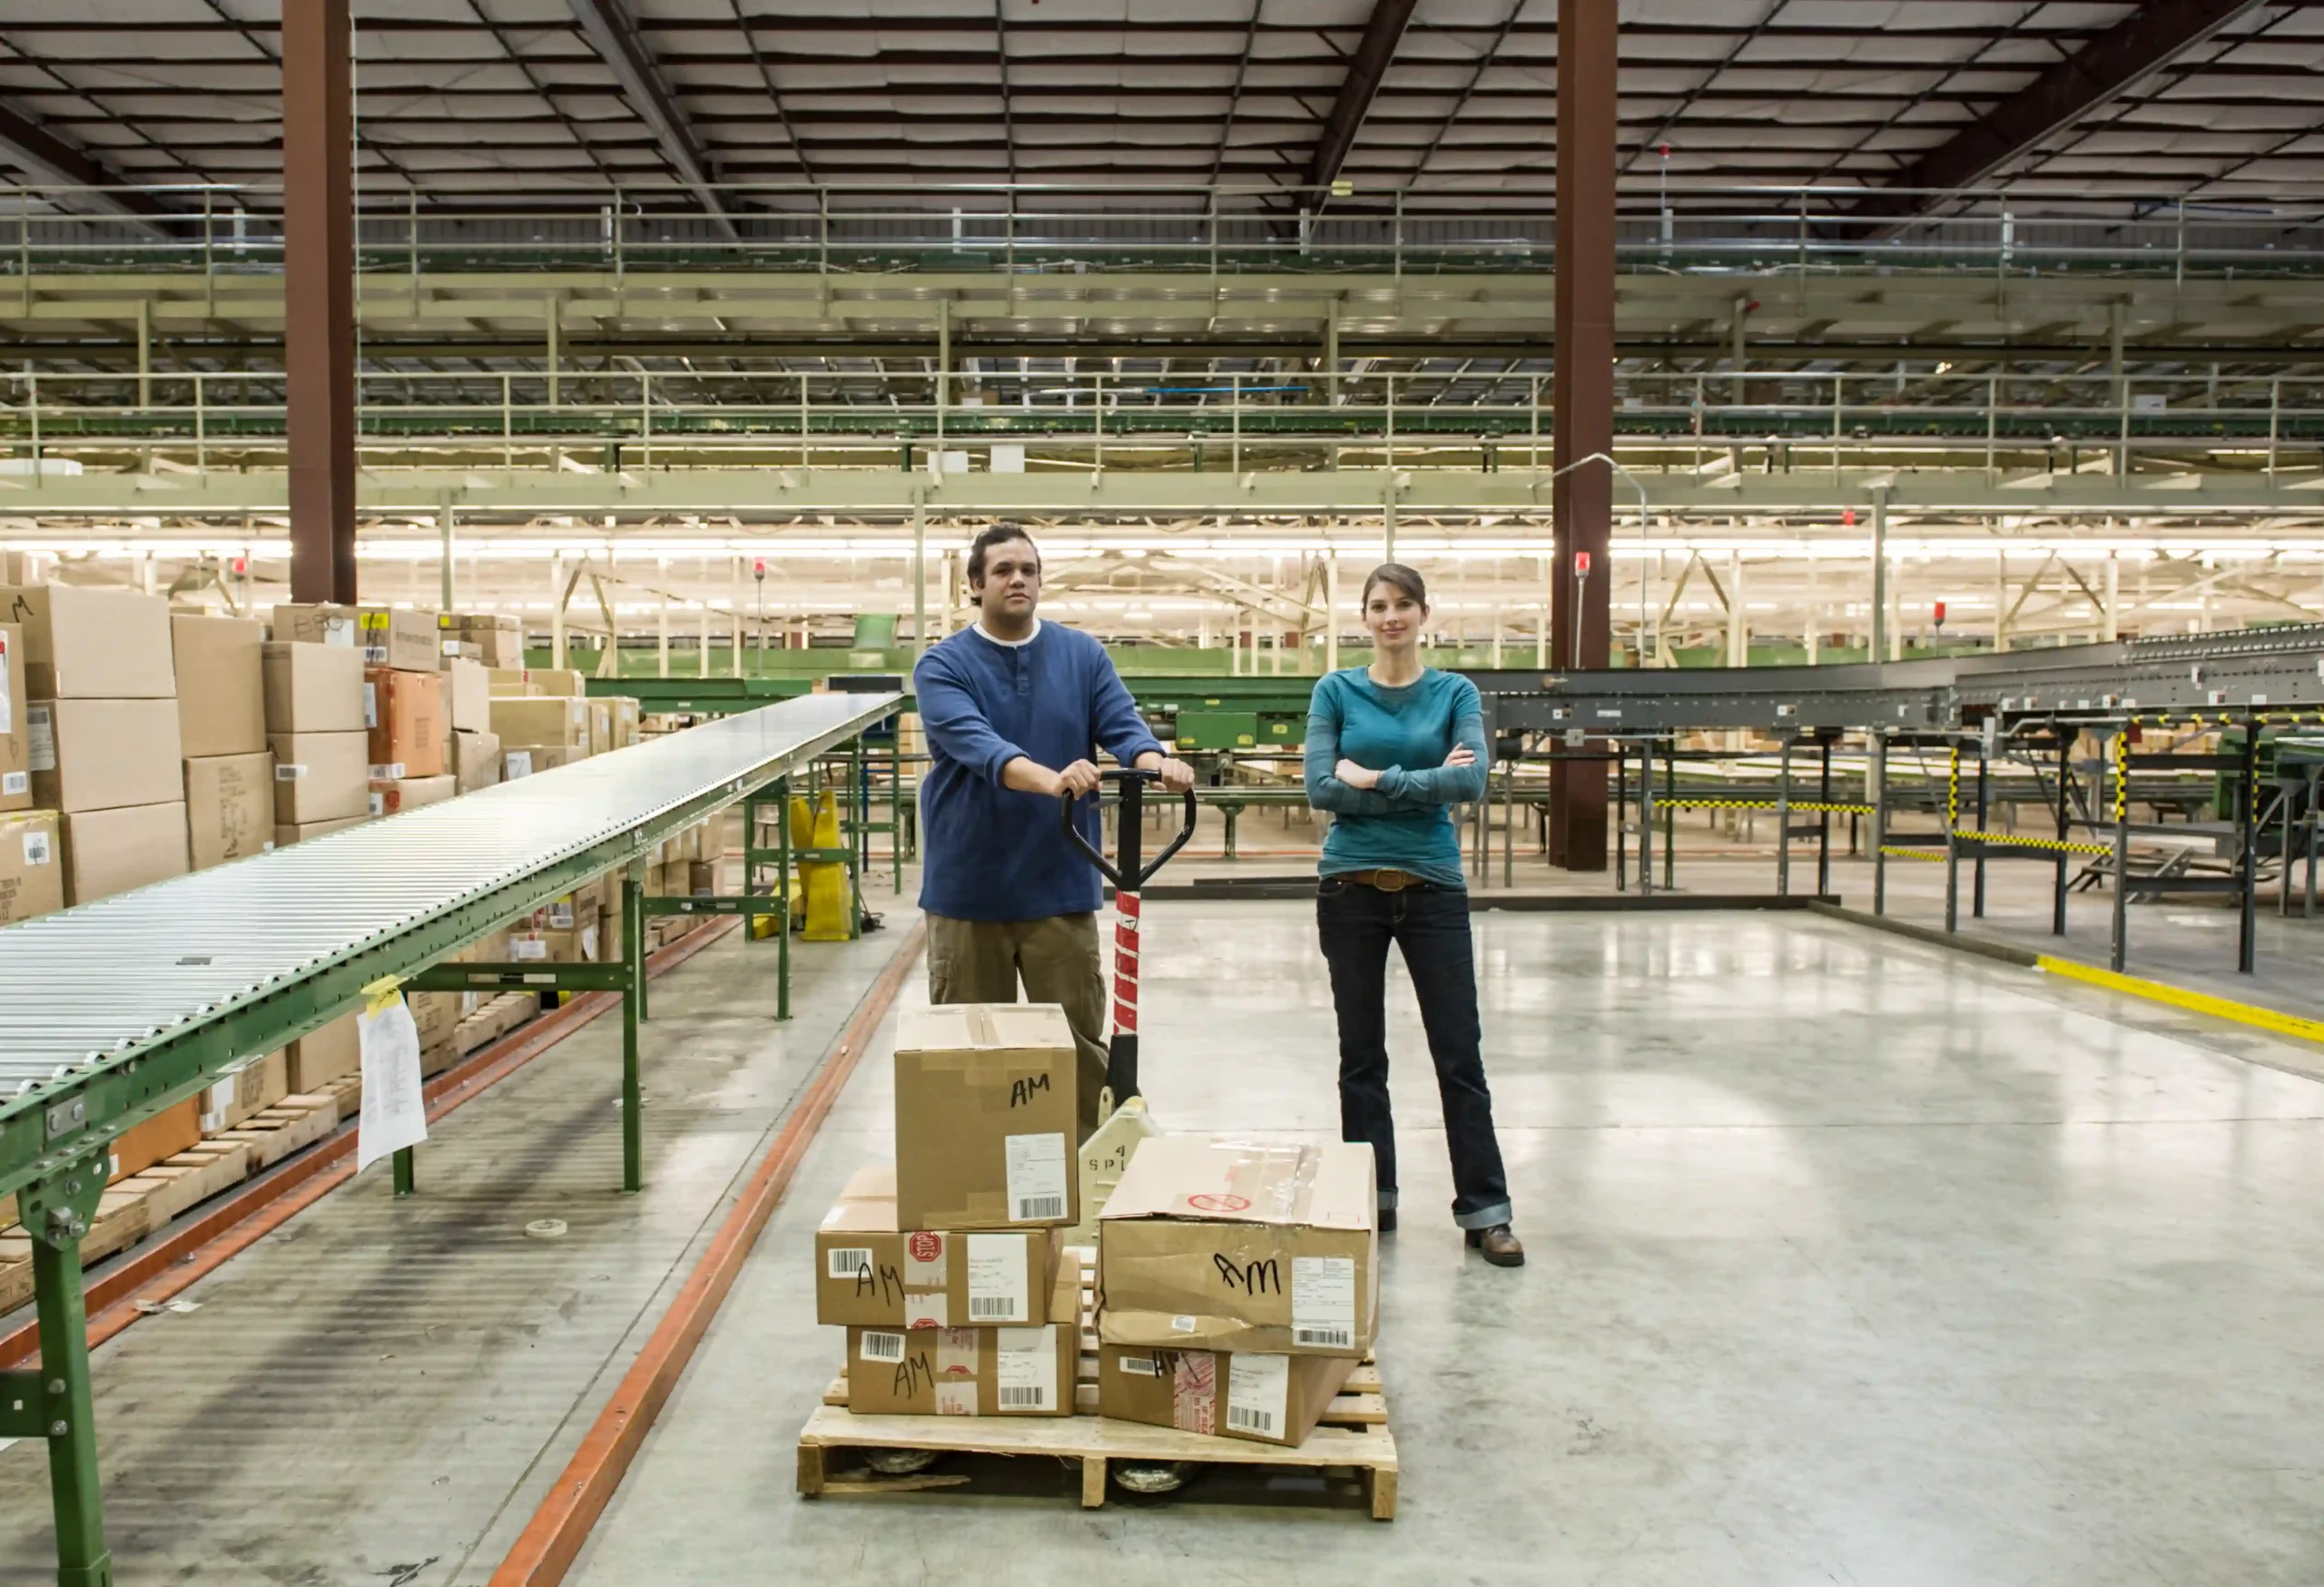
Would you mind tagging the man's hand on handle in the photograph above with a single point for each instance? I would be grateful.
(1028, 776)
(1177, 775)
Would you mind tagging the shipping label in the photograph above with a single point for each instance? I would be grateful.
(1323, 1302)
(998, 1292)
(1027, 1374)
(1140, 1364)
(16, 781)
(37, 848)
(1035, 1167)
(42, 722)
(881, 1346)
(1258, 1390)
(849, 1262)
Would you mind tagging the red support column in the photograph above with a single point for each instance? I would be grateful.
(319, 295)
(1582, 501)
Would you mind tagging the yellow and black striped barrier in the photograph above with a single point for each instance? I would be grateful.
(1935, 854)
(2015, 840)
(1807, 805)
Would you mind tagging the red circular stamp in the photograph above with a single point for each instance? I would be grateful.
(1219, 1203)
(925, 1247)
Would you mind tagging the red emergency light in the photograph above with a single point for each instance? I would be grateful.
(1581, 565)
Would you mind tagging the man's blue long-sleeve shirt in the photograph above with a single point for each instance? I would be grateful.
(991, 852)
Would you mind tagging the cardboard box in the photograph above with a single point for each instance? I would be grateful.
(1268, 1399)
(985, 1117)
(313, 688)
(476, 760)
(93, 644)
(435, 1014)
(962, 1372)
(523, 763)
(399, 637)
(321, 776)
(15, 740)
(250, 1087)
(577, 945)
(512, 681)
(468, 696)
(625, 721)
(323, 1056)
(112, 851)
(175, 1129)
(285, 833)
(702, 877)
(221, 686)
(229, 806)
(1232, 1245)
(535, 722)
(557, 680)
(401, 793)
(499, 641)
(32, 868)
(101, 755)
(869, 1273)
(410, 735)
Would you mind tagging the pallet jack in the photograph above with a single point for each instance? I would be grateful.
(1125, 1122)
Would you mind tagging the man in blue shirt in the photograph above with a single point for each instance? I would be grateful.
(1015, 709)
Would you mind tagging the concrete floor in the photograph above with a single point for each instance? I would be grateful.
(1852, 1260)
(380, 1392)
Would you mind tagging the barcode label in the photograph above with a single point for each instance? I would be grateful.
(1250, 1421)
(992, 1307)
(1324, 1338)
(1034, 1396)
(1033, 1207)
(1035, 1166)
(851, 1262)
(878, 1347)
(1141, 1366)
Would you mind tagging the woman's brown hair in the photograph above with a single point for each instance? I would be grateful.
(1397, 574)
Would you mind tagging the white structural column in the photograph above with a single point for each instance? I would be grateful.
(661, 614)
(920, 578)
(2110, 629)
(557, 610)
(1879, 647)
(2001, 600)
(701, 656)
(734, 610)
(1810, 640)
(1331, 612)
(444, 548)
(1738, 634)
(951, 587)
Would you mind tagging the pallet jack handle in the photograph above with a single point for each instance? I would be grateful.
(1130, 875)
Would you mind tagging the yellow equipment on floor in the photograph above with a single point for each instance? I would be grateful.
(823, 882)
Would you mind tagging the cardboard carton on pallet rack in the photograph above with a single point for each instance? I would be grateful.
(409, 731)
(32, 869)
(476, 760)
(963, 1372)
(230, 805)
(221, 686)
(1267, 1398)
(250, 1087)
(324, 1055)
(92, 644)
(16, 747)
(406, 637)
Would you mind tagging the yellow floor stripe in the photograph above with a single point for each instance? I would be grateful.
(2274, 1020)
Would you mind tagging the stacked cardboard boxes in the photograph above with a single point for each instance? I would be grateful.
(315, 726)
(222, 732)
(497, 641)
(1239, 1285)
(102, 726)
(948, 1271)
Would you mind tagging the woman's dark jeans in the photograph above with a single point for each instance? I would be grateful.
(1431, 925)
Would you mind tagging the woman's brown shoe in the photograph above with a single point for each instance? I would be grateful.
(1499, 1245)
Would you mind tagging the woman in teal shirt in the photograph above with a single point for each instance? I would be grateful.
(1391, 748)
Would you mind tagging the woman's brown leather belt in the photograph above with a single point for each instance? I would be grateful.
(1386, 881)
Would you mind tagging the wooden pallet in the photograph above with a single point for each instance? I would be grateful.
(143, 1204)
(1352, 1435)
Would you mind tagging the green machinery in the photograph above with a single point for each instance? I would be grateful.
(119, 1009)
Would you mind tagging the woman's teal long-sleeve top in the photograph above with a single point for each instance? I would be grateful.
(1404, 733)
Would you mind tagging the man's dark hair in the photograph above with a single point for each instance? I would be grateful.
(998, 535)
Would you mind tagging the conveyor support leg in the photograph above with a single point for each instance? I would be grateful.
(782, 890)
(56, 1212)
(632, 1009)
(405, 1172)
